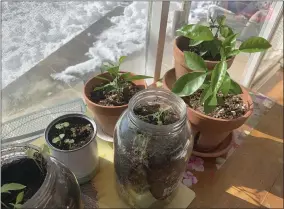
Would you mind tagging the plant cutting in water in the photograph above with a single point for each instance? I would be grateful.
(119, 88)
(70, 134)
(213, 86)
(7, 188)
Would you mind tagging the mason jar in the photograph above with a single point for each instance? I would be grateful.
(59, 189)
(150, 159)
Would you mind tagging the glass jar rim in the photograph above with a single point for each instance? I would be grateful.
(43, 189)
(158, 92)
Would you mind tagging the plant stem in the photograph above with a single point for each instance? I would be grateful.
(4, 204)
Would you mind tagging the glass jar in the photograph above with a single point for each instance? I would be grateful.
(150, 159)
(59, 189)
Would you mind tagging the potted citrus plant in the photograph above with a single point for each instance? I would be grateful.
(209, 42)
(216, 104)
(107, 95)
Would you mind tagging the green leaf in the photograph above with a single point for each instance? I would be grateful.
(233, 53)
(204, 86)
(17, 206)
(202, 53)
(189, 83)
(20, 197)
(222, 53)
(254, 44)
(11, 187)
(196, 32)
(221, 19)
(61, 136)
(59, 126)
(235, 88)
(55, 140)
(66, 124)
(103, 87)
(45, 149)
(102, 78)
(230, 40)
(137, 77)
(30, 152)
(194, 61)
(210, 104)
(114, 71)
(225, 87)
(207, 92)
(218, 75)
(194, 42)
(213, 46)
(226, 31)
(125, 75)
(121, 59)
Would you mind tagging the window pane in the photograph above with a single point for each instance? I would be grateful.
(51, 48)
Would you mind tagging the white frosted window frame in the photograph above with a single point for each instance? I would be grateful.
(157, 25)
(266, 32)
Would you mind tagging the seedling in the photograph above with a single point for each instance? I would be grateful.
(223, 44)
(69, 141)
(60, 137)
(63, 136)
(162, 113)
(119, 80)
(32, 153)
(7, 188)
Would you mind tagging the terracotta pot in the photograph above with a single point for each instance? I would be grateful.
(180, 45)
(209, 132)
(105, 116)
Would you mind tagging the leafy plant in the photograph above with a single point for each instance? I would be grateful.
(119, 80)
(7, 188)
(222, 43)
(219, 39)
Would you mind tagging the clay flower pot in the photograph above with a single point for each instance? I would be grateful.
(105, 116)
(210, 132)
(180, 45)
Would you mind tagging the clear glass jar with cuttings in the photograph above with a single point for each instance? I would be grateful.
(150, 159)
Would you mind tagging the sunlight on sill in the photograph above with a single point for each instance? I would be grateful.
(252, 196)
(257, 133)
(256, 197)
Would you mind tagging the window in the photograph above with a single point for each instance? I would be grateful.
(51, 48)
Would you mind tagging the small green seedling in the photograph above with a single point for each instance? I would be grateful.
(31, 153)
(69, 142)
(7, 188)
(119, 80)
(19, 199)
(62, 125)
(157, 115)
